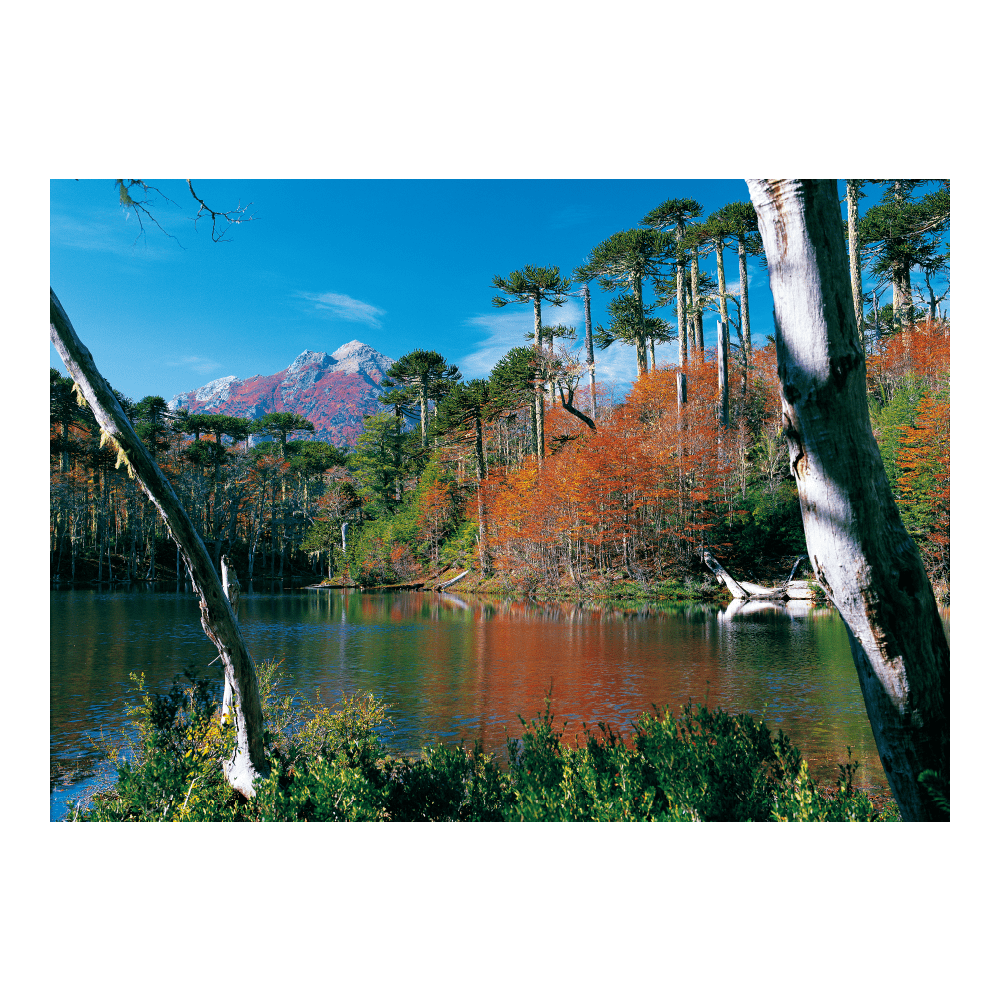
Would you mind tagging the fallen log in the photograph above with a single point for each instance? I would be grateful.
(746, 591)
(447, 583)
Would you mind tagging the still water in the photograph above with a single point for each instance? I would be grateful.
(458, 669)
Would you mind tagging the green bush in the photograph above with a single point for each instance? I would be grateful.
(330, 763)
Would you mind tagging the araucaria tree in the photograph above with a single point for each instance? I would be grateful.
(900, 234)
(859, 548)
(624, 261)
(674, 215)
(533, 284)
(419, 377)
(741, 221)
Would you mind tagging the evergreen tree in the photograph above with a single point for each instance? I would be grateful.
(741, 221)
(626, 260)
(533, 284)
(900, 234)
(627, 324)
(415, 379)
(280, 425)
(377, 460)
(673, 216)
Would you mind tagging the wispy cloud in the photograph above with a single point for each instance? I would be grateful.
(105, 234)
(344, 307)
(203, 366)
(505, 329)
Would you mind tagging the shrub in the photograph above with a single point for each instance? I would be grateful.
(331, 763)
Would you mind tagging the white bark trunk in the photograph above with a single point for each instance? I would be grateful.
(539, 391)
(861, 554)
(217, 617)
(590, 353)
(854, 254)
(723, 360)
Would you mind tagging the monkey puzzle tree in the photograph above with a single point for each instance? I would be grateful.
(628, 320)
(860, 551)
(152, 423)
(533, 284)
(626, 260)
(376, 461)
(674, 215)
(900, 234)
(741, 220)
(417, 378)
(854, 196)
(280, 425)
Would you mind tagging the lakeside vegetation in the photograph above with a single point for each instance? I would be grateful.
(623, 510)
(334, 763)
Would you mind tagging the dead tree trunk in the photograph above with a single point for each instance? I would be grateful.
(860, 551)
(217, 618)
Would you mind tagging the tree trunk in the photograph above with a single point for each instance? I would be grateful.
(854, 254)
(641, 345)
(423, 410)
(539, 391)
(744, 313)
(217, 616)
(699, 318)
(723, 360)
(682, 354)
(861, 554)
(590, 352)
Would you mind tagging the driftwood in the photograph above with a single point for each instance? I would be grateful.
(745, 591)
(217, 617)
(441, 587)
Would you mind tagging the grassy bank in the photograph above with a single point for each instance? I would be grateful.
(334, 763)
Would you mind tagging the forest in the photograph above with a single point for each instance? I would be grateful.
(535, 479)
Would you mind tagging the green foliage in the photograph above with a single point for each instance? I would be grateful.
(173, 771)
(767, 526)
(888, 422)
(330, 763)
(311, 458)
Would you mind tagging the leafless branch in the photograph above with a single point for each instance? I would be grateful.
(221, 221)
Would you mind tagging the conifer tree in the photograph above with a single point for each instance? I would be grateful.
(280, 425)
(624, 261)
(673, 215)
(533, 284)
(854, 195)
(417, 378)
(900, 234)
(741, 220)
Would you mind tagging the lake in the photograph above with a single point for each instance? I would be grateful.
(461, 668)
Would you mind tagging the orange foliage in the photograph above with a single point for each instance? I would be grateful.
(923, 351)
(642, 490)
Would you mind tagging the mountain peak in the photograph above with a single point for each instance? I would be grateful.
(331, 390)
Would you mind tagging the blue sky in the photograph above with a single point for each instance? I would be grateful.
(397, 264)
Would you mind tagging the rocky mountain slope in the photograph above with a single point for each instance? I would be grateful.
(334, 391)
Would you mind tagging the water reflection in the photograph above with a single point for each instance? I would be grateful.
(463, 668)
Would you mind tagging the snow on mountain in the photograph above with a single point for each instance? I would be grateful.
(334, 391)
